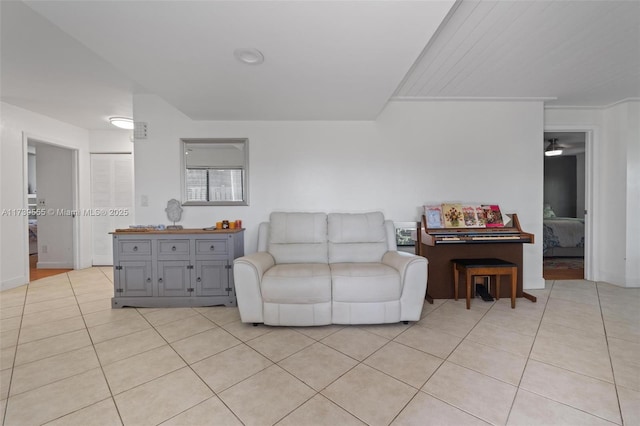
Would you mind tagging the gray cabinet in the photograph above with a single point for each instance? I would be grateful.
(175, 268)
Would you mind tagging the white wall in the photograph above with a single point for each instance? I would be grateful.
(110, 141)
(616, 173)
(413, 154)
(14, 122)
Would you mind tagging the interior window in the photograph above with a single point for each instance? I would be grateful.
(215, 171)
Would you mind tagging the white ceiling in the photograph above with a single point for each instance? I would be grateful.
(81, 61)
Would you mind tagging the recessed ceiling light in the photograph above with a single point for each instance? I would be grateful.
(122, 122)
(249, 56)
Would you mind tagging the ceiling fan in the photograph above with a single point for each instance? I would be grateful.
(553, 149)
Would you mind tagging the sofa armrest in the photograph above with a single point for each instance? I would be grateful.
(413, 278)
(247, 276)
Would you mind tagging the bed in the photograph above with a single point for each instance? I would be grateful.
(563, 236)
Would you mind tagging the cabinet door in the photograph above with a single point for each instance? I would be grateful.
(212, 278)
(174, 278)
(134, 278)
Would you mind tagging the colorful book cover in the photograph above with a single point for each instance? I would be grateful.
(434, 216)
(470, 216)
(452, 214)
(481, 217)
(494, 216)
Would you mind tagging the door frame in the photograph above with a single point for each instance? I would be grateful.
(591, 194)
(28, 137)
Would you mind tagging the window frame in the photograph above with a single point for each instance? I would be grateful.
(185, 143)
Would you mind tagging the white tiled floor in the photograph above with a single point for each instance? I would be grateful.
(67, 358)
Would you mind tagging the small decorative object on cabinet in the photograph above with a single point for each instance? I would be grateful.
(172, 268)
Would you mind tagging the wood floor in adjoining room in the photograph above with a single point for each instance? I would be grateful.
(69, 359)
(36, 274)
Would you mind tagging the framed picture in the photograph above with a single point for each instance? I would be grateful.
(403, 233)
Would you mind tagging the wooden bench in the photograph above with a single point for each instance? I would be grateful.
(485, 267)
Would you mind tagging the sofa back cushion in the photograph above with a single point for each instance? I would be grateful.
(298, 237)
(359, 237)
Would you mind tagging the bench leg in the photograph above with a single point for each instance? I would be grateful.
(455, 282)
(514, 285)
(497, 278)
(469, 277)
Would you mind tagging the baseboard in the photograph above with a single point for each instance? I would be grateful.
(54, 265)
(13, 283)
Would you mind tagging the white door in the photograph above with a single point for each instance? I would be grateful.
(111, 201)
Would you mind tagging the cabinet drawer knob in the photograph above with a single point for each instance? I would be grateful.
(135, 248)
(159, 280)
(212, 248)
(173, 248)
(198, 279)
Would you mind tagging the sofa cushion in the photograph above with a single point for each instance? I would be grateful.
(359, 237)
(297, 283)
(365, 282)
(298, 237)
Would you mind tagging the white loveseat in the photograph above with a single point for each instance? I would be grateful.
(316, 269)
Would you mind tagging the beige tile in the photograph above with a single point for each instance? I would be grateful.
(50, 315)
(623, 329)
(7, 357)
(185, 327)
(624, 351)
(239, 363)
(573, 358)
(429, 340)
(5, 383)
(112, 330)
(94, 296)
(461, 387)
(458, 326)
(205, 344)
(524, 307)
(280, 343)
(210, 412)
(42, 296)
(102, 304)
(492, 362)
(220, 315)
(266, 397)
(132, 344)
(319, 411)
(584, 340)
(10, 312)
(162, 398)
(318, 365)
(502, 338)
(57, 399)
(319, 333)
(626, 374)
(163, 316)
(513, 320)
(48, 370)
(355, 342)
(103, 413)
(9, 338)
(425, 410)
(388, 331)
(111, 315)
(629, 405)
(50, 329)
(10, 323)
(406, 364)
(575, 315)
(532, 409)
(48, 305)
(379, 397)
(43, 348)
(584, 393)
(245, 332)
(142, 368)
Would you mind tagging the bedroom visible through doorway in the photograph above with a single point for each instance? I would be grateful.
(564, 205)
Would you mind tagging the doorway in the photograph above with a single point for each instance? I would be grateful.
(565, 190)
(51, 200)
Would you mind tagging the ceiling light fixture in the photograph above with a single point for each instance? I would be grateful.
(122, 122)
(249, 56)
(553, 150)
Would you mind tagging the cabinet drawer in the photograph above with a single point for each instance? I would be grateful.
(135, 248)
(211, 247)
(173, 247)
